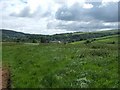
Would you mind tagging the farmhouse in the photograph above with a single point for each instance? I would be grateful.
(55, 41)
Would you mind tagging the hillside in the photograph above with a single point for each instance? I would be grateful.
(13, 36)
(107, 39)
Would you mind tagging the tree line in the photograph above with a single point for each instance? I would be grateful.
(65, 38)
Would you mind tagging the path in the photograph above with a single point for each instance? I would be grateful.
(4, 78)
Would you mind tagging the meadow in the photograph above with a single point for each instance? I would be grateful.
(79, 64)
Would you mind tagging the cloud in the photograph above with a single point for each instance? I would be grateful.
(108, 13)
(37, 8)
(58, 16)
(81, 26)
(24, 13)
(74, 13)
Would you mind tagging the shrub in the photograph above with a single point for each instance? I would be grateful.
(112, 42)
(87, 41)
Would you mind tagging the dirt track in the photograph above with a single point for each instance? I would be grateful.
(0, 78)
(4, 79)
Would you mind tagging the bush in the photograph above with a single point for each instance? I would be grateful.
(87, 41)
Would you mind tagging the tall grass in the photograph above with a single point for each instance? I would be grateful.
(80, 65)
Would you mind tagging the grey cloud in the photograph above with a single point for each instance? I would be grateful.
(87, 27)
(24, 13)
(119, 11)
(81, 26)
(72, 13)
(108, 13)
(96, 4)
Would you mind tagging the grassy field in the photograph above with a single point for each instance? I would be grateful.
(106, 39)
(72, 65)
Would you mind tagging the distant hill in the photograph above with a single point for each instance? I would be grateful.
(10, 35)
(13, 36)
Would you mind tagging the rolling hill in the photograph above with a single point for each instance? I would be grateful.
(13, 36)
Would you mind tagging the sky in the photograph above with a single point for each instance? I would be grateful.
(58, 16)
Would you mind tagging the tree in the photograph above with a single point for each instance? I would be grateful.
(34, 41)
(43, 40)
(18, 40)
